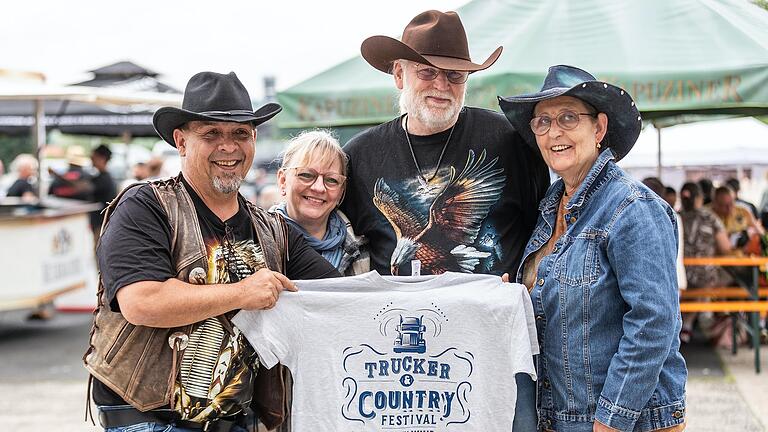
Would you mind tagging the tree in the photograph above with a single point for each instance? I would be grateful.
(12, 146)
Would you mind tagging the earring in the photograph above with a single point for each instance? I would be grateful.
(599, 146)
(282, 192)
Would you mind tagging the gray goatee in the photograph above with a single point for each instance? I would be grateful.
(227, 184)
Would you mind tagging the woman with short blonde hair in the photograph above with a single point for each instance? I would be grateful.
(312, 181)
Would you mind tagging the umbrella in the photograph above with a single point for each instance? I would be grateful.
(37, 98)
(120, 99)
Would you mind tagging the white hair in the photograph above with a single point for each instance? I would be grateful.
(409, 102)
(23, 160)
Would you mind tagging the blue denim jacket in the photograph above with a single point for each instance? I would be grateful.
(607, 309)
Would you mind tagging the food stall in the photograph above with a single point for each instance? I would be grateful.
(46, 251)
(46, 247)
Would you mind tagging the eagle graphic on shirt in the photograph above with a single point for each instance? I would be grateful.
(445, 236)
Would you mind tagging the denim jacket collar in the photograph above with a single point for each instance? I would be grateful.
(591, 182)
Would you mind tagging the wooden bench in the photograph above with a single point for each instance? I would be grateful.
(725, 306)
(757, 307)
(720, 292)
(742, 300)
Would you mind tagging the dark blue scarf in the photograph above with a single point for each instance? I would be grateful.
(331, 247)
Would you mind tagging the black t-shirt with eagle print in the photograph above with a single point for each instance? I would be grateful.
(475, 215)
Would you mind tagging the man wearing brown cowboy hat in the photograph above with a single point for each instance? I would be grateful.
(443, 187)
(177, 258)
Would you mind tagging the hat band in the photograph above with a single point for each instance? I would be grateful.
(226, 113)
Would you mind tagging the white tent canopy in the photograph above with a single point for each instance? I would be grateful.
(729, 142)
(29, 101)
(31, 91)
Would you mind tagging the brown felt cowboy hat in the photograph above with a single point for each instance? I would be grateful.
(433, 38)
(210, 96)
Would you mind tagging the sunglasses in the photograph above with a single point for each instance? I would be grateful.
(429, 73)
(308, 176)
(566, 120)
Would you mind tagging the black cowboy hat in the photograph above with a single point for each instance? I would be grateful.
(433, 38)
(211, 96)
(624, 121)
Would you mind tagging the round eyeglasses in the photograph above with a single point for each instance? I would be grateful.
(566, 120)
(429, 73)
(308, 177)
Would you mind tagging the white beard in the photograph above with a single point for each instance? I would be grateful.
(435, 119)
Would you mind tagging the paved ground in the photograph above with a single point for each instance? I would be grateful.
(43, 386)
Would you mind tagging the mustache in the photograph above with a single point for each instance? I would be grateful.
(226, 156)
(439, 94)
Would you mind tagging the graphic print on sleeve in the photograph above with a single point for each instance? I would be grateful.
(414, 381)
(443, 223)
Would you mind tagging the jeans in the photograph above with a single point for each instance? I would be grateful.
(153, 426)
(161, 427)
(526, 418)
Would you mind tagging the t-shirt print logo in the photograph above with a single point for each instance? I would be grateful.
(408, 383)
(441, 230)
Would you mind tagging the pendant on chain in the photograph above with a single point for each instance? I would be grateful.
(425, 188)
(424, 185)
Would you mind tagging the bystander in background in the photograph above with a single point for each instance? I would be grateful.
(155, 168)
(24, 166)
(705, 236)
(670, 196)
(706, 187)
(104, 188)
(738, 220)
(735, 185)
(139, 173)
(659, 189)
(75, 183)
(268, 196)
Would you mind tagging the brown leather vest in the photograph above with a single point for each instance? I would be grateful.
(140, 363)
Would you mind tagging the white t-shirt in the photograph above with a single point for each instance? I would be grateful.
(405, 354)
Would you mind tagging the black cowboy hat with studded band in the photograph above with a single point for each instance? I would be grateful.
(624, 120)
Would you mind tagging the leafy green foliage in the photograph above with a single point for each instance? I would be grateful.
(11, 146)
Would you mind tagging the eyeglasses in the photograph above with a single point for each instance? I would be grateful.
(429, 73)
(567, 120)
(308, 177)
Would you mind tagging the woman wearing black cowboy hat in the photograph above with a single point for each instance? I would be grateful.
(600, 266)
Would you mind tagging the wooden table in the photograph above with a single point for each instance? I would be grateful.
(753, 262)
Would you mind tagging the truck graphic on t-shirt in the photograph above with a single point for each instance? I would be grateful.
(410, 335)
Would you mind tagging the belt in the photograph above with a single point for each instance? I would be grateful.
(130, 416)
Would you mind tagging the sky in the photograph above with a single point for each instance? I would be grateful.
(291, 40)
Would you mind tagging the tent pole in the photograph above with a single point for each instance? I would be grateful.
(658, 151)
(39, 134)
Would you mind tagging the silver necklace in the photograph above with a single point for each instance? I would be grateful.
(424, 187)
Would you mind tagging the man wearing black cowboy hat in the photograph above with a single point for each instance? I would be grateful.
(177, 258)
(443, 187)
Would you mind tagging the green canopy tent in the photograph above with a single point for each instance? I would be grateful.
(676, 57)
